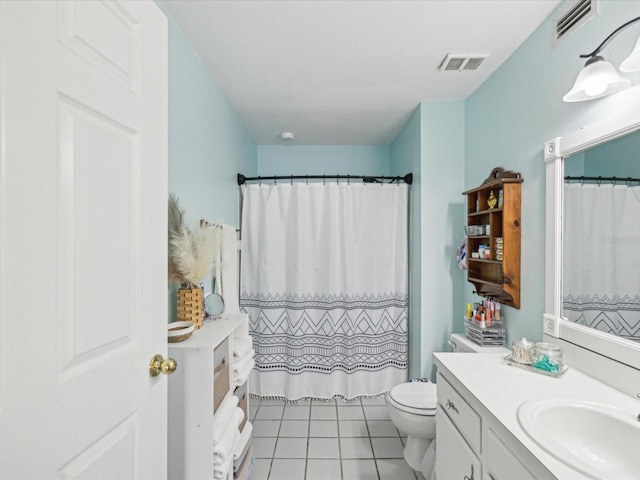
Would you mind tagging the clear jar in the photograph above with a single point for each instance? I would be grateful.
(523, 351)
(548, 357)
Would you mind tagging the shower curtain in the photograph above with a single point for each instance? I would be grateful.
(601, 263)
(325, 283)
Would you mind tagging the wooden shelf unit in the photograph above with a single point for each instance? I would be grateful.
(494, 278)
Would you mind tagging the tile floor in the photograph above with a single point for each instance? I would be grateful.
(326, 440)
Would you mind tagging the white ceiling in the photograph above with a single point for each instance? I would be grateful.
(348, 72)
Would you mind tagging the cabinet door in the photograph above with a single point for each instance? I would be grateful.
(500, 463)
(454, 458)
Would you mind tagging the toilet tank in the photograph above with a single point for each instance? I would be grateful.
(460, 343)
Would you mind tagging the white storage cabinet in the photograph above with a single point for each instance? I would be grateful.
(201, 382)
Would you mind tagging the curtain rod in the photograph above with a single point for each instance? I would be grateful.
(408, 178)
(626, 180)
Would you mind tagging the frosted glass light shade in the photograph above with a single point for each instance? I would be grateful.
(632, 62)
(597, 79)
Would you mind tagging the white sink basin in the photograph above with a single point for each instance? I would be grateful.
(600, 441)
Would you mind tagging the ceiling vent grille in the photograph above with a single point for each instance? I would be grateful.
(579, 13)
(458, 62)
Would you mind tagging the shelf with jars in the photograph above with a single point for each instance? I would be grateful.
(493, 237)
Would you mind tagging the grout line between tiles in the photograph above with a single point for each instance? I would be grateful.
(306, 460)
(339, 442)
(373, 453)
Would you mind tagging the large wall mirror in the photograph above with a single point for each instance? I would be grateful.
(601, 237)
(593, 239)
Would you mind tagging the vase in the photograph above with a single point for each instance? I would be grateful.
(190, 307)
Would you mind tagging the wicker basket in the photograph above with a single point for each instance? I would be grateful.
(190, 306)
(179, 331)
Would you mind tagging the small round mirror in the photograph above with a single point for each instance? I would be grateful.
(213, 305)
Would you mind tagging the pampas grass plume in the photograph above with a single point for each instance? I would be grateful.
(192, 253)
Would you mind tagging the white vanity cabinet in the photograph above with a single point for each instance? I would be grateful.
(468, 446)
(485, 395)
(201, 382)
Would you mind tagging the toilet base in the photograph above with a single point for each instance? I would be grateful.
(414, 451)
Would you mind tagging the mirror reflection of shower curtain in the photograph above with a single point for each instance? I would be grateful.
(601, 258)
(325, 283)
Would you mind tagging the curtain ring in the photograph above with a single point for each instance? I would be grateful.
(291, 179)
(307, 179)
(324, 180)
(614, 181)
(337, 179)
(348, 179)
(259, 181)
(599, 181)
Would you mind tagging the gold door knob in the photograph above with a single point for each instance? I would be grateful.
(158, 365)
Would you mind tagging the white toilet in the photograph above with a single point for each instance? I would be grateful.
(412, 406)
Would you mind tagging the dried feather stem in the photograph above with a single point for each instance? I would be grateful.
(192, 254)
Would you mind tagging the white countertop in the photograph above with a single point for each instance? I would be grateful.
(501, 389)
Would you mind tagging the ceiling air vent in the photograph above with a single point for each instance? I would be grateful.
(579, 13)
(458, 62)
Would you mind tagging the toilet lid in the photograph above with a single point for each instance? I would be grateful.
(416, 395)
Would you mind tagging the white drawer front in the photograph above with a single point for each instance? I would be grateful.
(461, 414)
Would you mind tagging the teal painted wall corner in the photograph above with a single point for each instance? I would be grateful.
(405, 158)
(442, 216)
(208, 145)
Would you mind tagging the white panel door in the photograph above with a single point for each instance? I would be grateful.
(83, 201)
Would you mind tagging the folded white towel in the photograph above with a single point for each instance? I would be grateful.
(220, 472)
(241, 345)
(223, 415)
(225, 447)
(242, 377)
(243, 443)
(229, 269)
(241, 365)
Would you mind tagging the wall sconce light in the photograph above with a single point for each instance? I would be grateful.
(599, 78)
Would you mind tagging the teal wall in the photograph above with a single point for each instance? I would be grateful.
(574, 165)
(406, 157)
(207, 143)
(442, 128)
(431, 145)
(617, 158)
(323, 160)
(518, 109)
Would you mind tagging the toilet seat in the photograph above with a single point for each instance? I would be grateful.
(418, 398)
